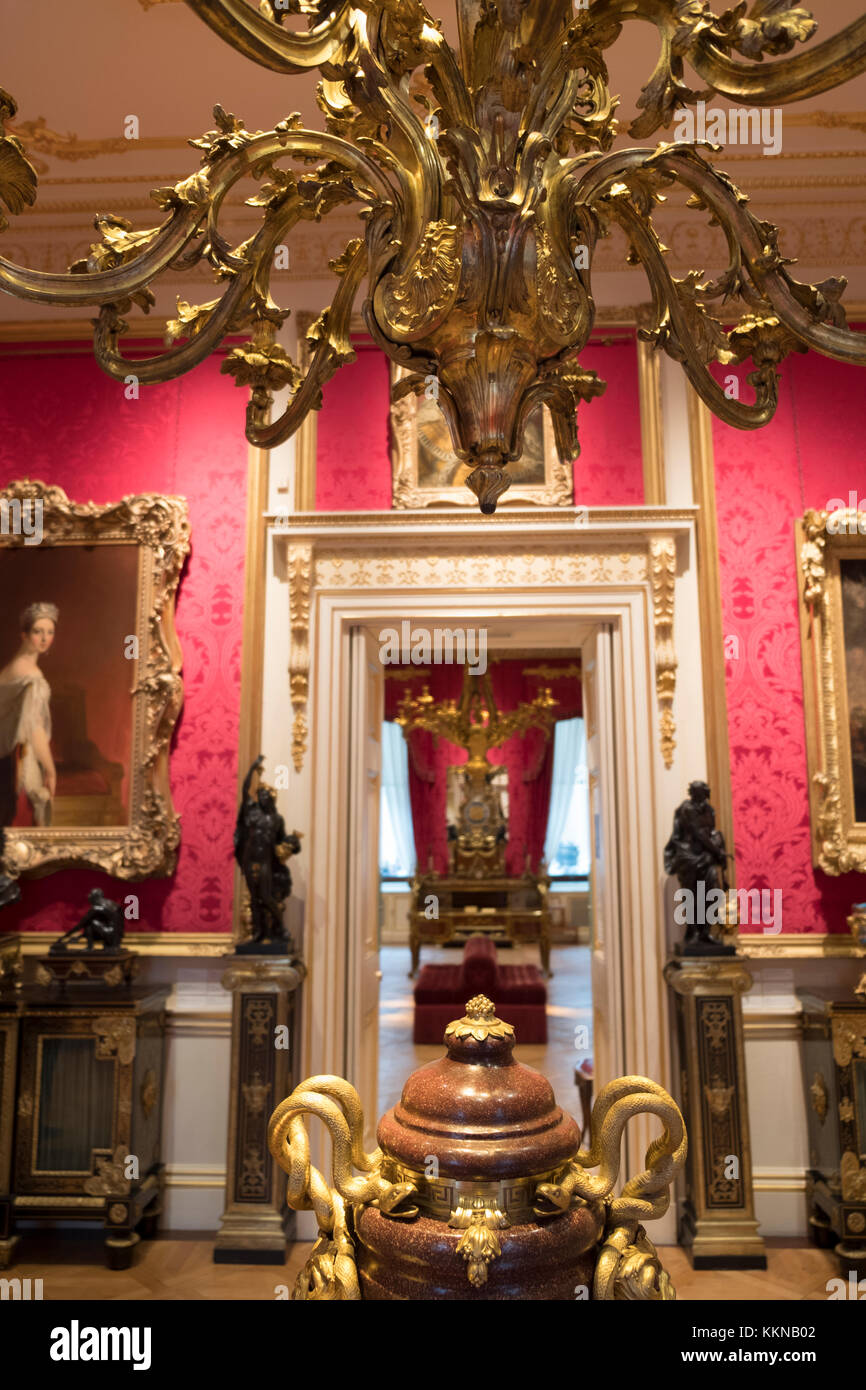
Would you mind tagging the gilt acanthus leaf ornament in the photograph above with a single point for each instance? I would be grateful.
(485, 174)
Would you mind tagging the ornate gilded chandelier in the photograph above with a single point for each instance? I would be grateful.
(485, 177)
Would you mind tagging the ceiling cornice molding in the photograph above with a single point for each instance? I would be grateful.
(816, 241)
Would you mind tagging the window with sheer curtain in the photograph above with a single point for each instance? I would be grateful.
(396, 840)
(566, 845)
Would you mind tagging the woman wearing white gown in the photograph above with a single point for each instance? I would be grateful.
(26, 763)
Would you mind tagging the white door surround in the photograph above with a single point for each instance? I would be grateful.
(630, 572)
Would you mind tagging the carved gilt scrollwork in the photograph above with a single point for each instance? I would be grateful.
(827, 539)
(300, 570)
(159, 526)
(663, 578)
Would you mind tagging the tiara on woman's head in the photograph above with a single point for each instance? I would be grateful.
(31, 615)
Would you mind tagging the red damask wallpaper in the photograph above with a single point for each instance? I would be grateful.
(63, 421)
(810, 453)
(353, 458)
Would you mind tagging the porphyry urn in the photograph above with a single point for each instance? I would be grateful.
(479, 1188)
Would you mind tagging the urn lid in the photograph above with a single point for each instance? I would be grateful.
(480, 1114)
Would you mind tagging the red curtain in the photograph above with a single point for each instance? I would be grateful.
(528, 758)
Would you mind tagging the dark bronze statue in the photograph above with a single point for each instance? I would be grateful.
(695, 854)
(101, 927)
(262, 847)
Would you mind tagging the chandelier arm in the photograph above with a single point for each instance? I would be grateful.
(120, 281)
(104, 286)
(563, 106)
(214, 326)
(829, 64)
(331, 352)
(175, 361)
(249, 32)
(764, 263)
(683, 349)
(754, 239)
(306, 144)
(826, 65)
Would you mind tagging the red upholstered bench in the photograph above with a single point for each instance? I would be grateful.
(443, 991)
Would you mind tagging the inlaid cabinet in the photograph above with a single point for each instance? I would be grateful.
(834, 1075)
(81, 1071)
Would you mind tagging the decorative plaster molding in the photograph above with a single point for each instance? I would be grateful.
(377, 562)
(299, 574)
(816, 236)
(663, 566)
(827, 120)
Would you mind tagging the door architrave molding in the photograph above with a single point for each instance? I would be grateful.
(365, 572)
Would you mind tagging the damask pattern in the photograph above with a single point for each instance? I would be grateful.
(810, 453)
(73, 426)
(353, 452)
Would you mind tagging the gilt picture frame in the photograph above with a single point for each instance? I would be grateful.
(90, 680)
(427, 473)
(831, 553)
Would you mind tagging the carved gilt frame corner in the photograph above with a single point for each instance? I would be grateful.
(158, 526)
(823, 540)
(557, 490)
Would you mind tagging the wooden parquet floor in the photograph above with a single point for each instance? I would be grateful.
(182, 1268)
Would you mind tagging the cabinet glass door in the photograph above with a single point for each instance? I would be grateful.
(75, 1100)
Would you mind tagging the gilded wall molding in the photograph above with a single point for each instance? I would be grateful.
(700, 424)
(824, 540)
(663, 568)
(802, 945)
(252, 640)
(650, 396)
(300, 569)
(38, 138)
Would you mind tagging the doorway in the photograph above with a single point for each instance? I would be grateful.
(602, 598)
(500, 857)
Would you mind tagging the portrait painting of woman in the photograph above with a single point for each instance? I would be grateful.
(67, 673)
(90, 684)
(26, 762)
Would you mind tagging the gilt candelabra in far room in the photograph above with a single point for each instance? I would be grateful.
(485, 175)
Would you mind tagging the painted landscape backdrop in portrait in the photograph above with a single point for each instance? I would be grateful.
(853, 574)
(439, 466)
(88, 662)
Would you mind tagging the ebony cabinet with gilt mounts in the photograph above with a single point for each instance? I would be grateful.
(81, 1082)
(834, 1074)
